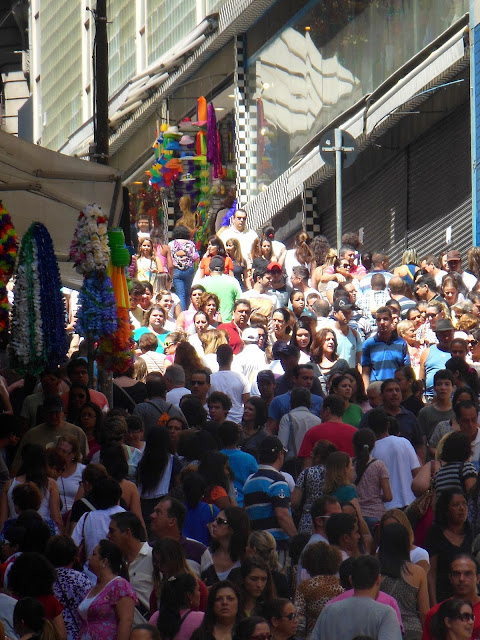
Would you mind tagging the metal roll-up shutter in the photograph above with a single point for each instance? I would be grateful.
(379, 206)
(440, 186)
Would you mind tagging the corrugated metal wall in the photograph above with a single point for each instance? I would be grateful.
(414, 199)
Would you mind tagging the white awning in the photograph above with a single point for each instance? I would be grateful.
(37, 184)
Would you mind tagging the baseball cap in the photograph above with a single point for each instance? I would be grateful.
(274, 265)
(344, 304)
(53, 404)
(266, 374)
(444, 324)
(453, 255)
(217, 263)
(282, 348)
(250, 335)
(271, 444)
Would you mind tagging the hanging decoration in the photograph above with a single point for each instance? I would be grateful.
(38, 336)
(115, 351)
(89, 249)
(90, 252)
(8, 256)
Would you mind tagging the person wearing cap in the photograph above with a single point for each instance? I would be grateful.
(302, 376)
(251, 359)
(385, 352)
(266, 495)
(260, 300)
(225, 287)
(238, 229)
(264, 386)
(279, 287)
(278, 247)
(239, 322)
(47, 433)
(349, 341)
(435, 356)
(454, 263)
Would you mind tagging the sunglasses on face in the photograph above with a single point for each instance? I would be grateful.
(221, 521)
(290, 616)
(465, 617)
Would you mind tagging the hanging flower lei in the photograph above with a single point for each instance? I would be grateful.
(115, 351)
(8, 256)
(38, 316)
(97, 310)
(89, 249)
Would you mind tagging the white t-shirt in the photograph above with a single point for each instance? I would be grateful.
(234, 385)
(418, 554)
(175, 395)
(250, 361)
(400, 458)
(93, 526)
(277, 248)
(246, 238)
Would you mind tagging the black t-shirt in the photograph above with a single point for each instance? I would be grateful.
(413, 404)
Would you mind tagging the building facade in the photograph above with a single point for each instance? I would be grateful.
(395, 74)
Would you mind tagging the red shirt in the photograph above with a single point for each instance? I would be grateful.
(234, 332)
(338, 433)
(476, 625)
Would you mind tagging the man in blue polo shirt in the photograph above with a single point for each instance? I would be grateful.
(302, 376)
(385, 352)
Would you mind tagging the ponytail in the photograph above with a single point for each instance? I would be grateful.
(363, 443)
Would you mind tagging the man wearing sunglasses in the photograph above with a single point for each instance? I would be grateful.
(464, 575)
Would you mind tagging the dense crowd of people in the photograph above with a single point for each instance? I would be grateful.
(293, 454)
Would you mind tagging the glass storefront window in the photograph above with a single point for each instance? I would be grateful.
(328, 57)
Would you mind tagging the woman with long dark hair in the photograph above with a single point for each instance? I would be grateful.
(323, 352)
(178, 616)
(255, 585)
(222, 613)
(359, 395)
(371, 478)
(168, 559)
(255, 414)
(341, 385)
(157, 471)
(449, 534)
(199, 513)
(454, 620)
(215, 247)
(229, 532)
(33, 468)
(91, 422)
(78, 397)
(281, 325)
(214, 468)
(405, 580)
(302, 337)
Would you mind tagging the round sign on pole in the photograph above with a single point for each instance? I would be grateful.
(327, 148)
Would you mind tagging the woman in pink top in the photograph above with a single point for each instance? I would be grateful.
(178, 616)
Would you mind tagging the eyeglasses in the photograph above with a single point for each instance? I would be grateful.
(290, 616)
(472, 343)
(262, 636)
(465, 617)
(221, 521)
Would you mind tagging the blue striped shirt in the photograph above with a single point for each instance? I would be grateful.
(263, 492)
(384, 358)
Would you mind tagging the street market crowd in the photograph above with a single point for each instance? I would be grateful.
(294, 453)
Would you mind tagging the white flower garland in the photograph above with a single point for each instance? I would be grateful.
(89, 249)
